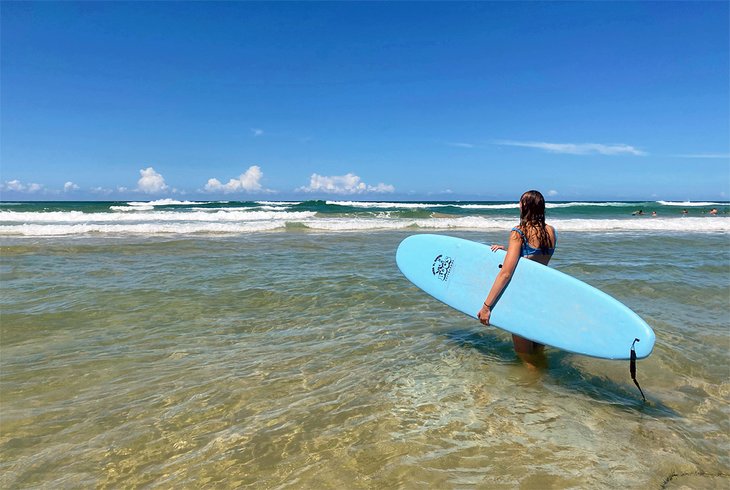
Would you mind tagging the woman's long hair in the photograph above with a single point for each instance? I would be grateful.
(532, 219)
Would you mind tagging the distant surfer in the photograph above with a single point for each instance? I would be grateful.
(640, 212)
(534, 240)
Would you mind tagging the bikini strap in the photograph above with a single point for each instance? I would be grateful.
(524, 243)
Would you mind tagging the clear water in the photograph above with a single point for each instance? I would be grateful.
(300, 358)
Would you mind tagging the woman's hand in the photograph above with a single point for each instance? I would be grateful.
(484, 315)
(497, 247)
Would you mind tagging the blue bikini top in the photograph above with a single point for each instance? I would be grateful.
(527, 249)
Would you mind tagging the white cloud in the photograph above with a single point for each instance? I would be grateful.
(14, 185)
(151, 182)
(462, 145)
(552, 193)
(577, 148)
(70, 186)
(343, 184)
(18, 186)
(101, 190)
(249, 181)
(257, 131)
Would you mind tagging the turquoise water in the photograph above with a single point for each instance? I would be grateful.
(301, 357)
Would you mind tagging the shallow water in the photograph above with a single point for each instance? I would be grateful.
(301, 359)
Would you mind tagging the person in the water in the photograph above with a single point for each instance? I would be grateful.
(532, 239)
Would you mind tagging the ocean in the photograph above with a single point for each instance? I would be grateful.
(266, 344)
(173, 217)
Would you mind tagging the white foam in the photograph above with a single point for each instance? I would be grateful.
(239, 209)
(689, 204)
(557, 205)
(278, 203)
(166, 202)
(658, 225)
(151, 216)
(136, 207)
(423, 205)
(374, 204)
(150, 205)
(243, 209)
(272, 208)
(237, 222)
(487, 206)
(649, 224)
(13, 216)
(139, 229)
(419, 205)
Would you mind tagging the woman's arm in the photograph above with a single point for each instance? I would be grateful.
(503, 277)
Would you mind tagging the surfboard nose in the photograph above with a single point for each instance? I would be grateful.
(411, 254)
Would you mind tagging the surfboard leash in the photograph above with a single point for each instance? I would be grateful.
(632, 368)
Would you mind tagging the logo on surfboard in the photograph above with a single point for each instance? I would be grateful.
(442, 267)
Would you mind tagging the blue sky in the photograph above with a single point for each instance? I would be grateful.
(376, 101)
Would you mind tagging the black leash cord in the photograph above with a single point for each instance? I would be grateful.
(632, 368)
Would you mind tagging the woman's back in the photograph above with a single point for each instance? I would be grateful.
(533, 249)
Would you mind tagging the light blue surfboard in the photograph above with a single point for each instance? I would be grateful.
(540, 303)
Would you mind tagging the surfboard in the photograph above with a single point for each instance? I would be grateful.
(539, 303)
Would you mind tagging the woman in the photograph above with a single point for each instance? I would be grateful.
(534, 240)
